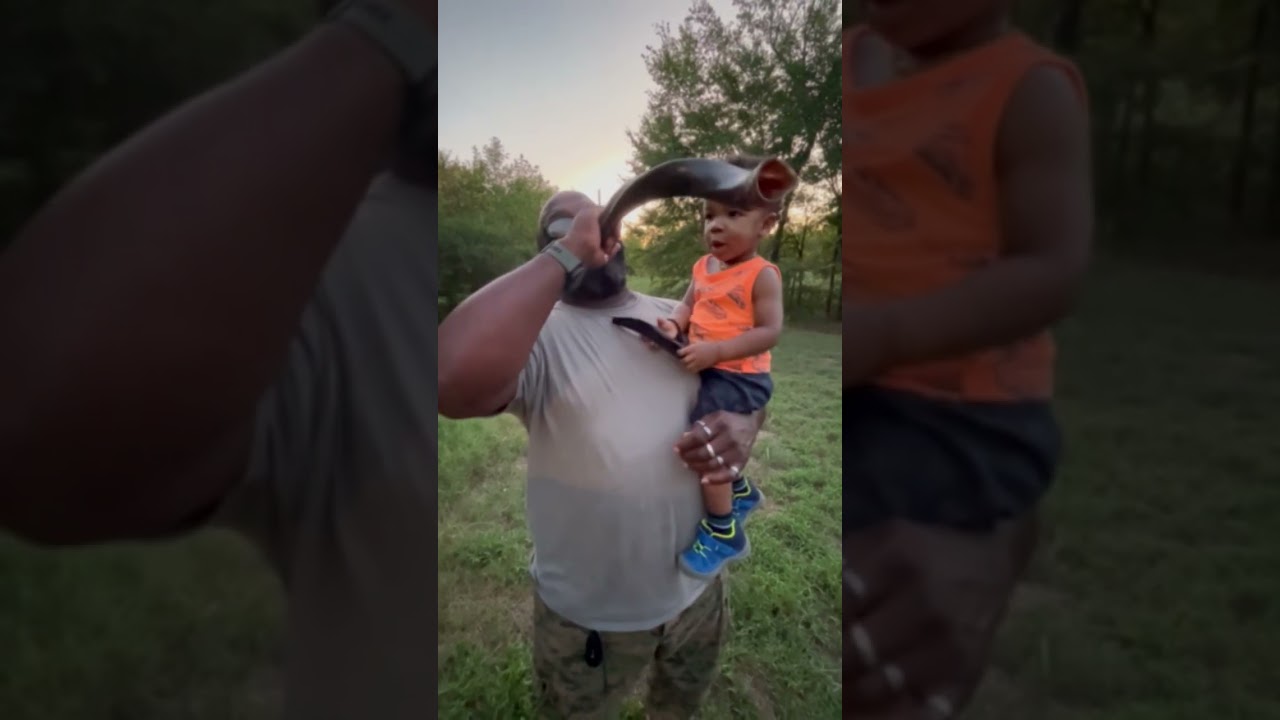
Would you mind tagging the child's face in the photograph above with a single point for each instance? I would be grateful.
(732, 233)
(915, 24)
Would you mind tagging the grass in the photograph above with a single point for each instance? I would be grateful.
(1156, 595)
(783, 661)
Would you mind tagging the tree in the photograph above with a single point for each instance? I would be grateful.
(766, 82)
(488, 218)
(76, 80)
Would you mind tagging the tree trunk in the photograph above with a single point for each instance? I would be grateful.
(1248, 114)
(1120, 161)
(831, 277)
(775, 252)
(1274, 205)
(1150, 93)
(1066, 29)
(797, 288)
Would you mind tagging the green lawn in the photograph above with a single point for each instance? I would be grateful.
(1157, 593)
(1156, 596)
(784, 658)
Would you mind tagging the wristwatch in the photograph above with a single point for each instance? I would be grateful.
(412, 44)
(572, 265)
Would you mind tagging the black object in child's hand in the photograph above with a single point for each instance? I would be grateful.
(652, 333)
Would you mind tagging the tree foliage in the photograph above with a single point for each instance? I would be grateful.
(77, 77)
(488, 218)
(764, 82)
(1185, 102)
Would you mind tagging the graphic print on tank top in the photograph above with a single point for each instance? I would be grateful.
(723, 307)
(944, 152)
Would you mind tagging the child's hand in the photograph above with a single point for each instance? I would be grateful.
(700, 355)
(668, 327)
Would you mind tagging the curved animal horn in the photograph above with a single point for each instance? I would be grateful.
(702, 178)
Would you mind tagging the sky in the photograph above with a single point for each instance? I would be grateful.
(557, 81)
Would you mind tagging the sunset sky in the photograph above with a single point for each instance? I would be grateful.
(559, 83)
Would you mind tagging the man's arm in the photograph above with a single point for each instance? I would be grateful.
(485, 342)
(148, 305)
(1043, 158)
(766, 299)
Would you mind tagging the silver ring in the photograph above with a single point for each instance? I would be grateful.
(861, 641)
(705, 429)
(720, 461)
(940, 707)
(736, 472)
(855, 584)
(711, 452)
(894, 676)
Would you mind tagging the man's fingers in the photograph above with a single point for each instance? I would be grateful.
(719, 476)
(586, 227)
(693, 449)
(895, 627)
(924, 667)
(697, 436)
(873, 557)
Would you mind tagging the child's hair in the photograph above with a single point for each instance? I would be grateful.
(751, 162)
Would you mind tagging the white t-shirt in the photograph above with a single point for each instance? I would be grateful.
(610, 505)
(340, 492)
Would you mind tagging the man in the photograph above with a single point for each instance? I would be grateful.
(609, 504)
(189, 337)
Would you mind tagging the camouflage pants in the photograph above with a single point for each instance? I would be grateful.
(681, 656)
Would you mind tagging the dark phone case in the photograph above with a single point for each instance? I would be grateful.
(651, 332)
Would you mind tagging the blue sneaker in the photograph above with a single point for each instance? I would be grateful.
(710, 552)
(746, 503)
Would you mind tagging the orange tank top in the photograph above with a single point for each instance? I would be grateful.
(723, 308)
(921, 204)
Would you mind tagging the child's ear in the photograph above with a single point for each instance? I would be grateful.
(770, 222)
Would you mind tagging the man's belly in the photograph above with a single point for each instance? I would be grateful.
(605, 557)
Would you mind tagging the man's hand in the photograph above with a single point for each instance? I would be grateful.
(583, 239)
(699, 356)
(921, 610)
(718, 446)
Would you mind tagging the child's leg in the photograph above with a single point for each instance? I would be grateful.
(718, 501)
(720, 538)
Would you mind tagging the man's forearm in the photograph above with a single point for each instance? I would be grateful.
(158, 291)
(485, 342)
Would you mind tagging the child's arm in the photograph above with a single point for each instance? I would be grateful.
(680, 316)
(766, 298)
(1046, 205)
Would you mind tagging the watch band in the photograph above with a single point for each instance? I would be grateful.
(570, 262)
(399, 32)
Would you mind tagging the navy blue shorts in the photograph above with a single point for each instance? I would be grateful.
(969, 466)
(730, 391)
